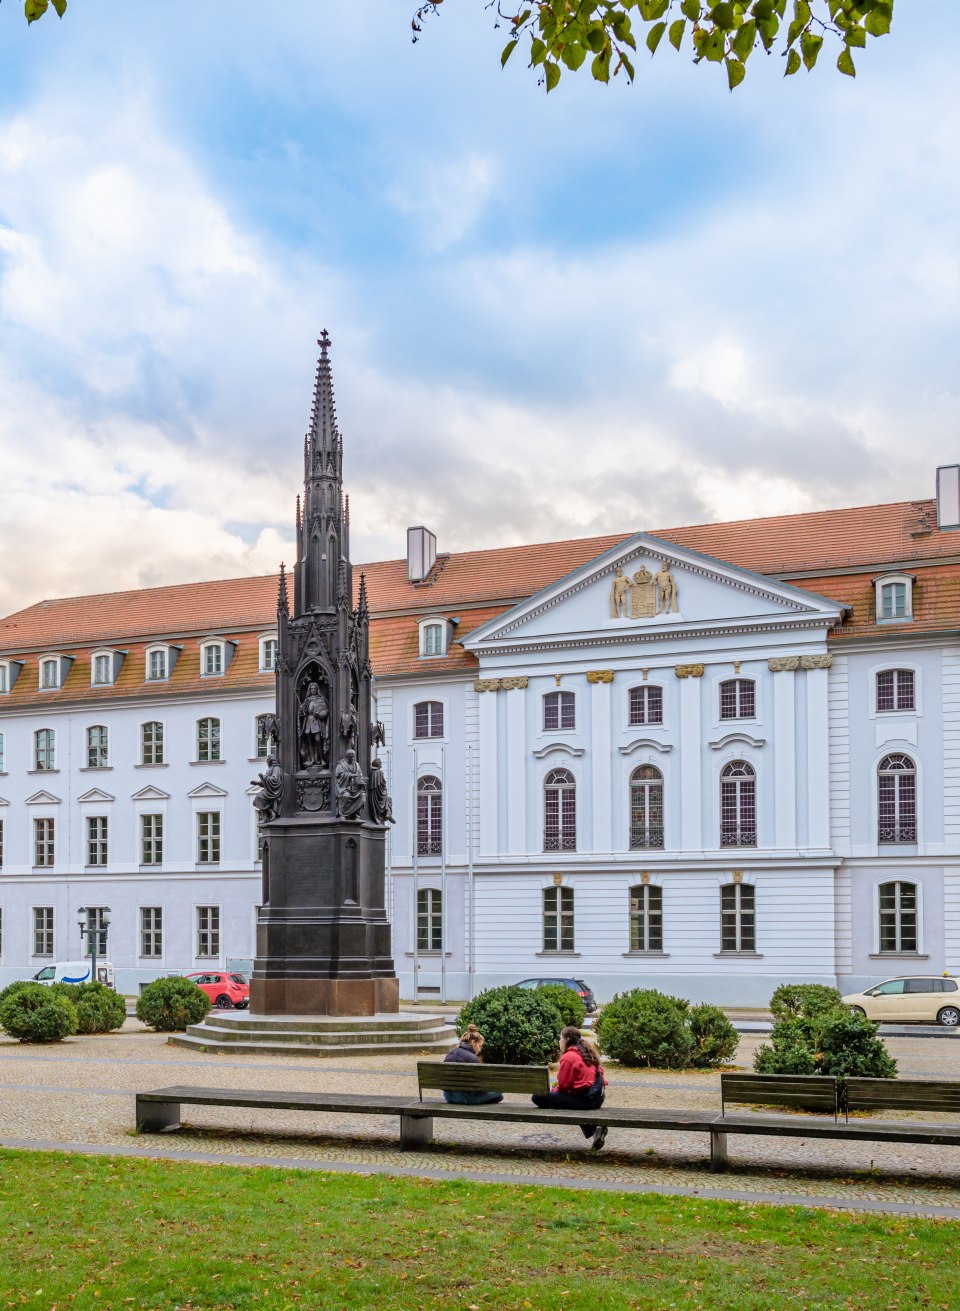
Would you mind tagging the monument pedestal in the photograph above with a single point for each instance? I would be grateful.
(396, 1034)
(324, 996)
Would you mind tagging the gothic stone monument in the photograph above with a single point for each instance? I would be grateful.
(323, 938)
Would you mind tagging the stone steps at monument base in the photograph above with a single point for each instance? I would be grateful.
(342, 1037)
(288, 1047)
(242, 1022)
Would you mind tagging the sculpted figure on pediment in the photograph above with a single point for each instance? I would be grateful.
(668, 596)
(620, 595)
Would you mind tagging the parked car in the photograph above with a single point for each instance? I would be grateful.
(923, 999)
(75, 971)
(576, 985)
(224, 990)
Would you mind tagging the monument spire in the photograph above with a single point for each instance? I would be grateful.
(322, 555)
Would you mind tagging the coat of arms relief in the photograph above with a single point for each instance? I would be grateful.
(643, 594)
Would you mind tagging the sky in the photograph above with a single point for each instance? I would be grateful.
(610, 309)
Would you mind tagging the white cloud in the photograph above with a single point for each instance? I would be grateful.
(445, 199)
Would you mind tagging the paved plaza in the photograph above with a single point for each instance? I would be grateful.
(78, 1095)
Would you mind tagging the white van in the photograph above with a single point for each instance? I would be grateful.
(75, 971)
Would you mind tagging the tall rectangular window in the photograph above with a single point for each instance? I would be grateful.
(1, 753)
(4, 680)
(646, 704)
(213, 659)
(151, 839)
(43, 843)
(1, 845)
(429, 919)
(646, 918)
(738, 699)
(268, 654)
(559, 711)
(43, 930)
(102, 669)
(208, 931)
(898, 917)
(97, 754)
(208, 837)
(208, 739)
(151, 743)
(264, 723)
(156, 665)
(737, 917)
(428, 719)
(96, 839)
(49, 674)
(44, 749)
(559, 811)
(893, 601)
(895, 690)
(429, 816)
(558, 919)
(151, 932)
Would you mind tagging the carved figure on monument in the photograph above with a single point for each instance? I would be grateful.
(348, 726)
(619, 595)
(267, 801)
(271, 731)
(381, 803)
(378, 733)
(314, 728)
(351, 789)
(668, 593)
(643, 594)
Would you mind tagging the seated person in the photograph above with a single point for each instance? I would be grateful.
(580, 1083)
(468, 1053)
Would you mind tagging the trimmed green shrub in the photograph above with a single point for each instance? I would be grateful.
(794, 1001)
(789, 1051)
(169, 1005)
(645, 1027)
(20, 984)
(715, 1039)
(520, 1026)
(99, 1009)
(569, 1003)
(849, 1045)
(34, 1013)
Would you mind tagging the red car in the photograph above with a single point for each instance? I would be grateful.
(224, 990)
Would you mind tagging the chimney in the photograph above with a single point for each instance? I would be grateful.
(948, 497)
(422, 553)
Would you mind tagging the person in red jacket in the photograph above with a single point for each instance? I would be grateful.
(580, 1083)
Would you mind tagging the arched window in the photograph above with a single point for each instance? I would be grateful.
(44, 749)
(559, 811)
(558, 919)
(895, 690)
(96, 747)
(429, 919)
(738, 805)
(897, 799)
(738, 918)
(646, 918)
(559, 710)
(738, 698)
(263, 736)
(646, 807)
(151, 743)
(646, 704)
(898, 916)
(429, 816)
(428, 719)
(208, 739)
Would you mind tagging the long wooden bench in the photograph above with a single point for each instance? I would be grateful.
(159, 1111)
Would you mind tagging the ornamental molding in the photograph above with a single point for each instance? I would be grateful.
(494, 647)
(514, 684)
(150, 793)
(599, 675)
(96, 794)
(783, 664)
(743, 739)
(816, 661)
(689, 671)
(4, 801)
(486, 685)
(559, 748)
(645, 744)
(207, 790)
(43, 799)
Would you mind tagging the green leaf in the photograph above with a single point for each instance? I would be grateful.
(721, 15)
(573, 54)
(596, 37)
(625, 62)
(801, 12)
(60, 6)
(856, 36)
(793, 63)
(552, 72)
(810, 45)
(735, 73)
(675, 34)
(538, 51)
(744, 39)
(845, 63)
(691, 8)
(877, 22)
(508, 50)
(713, 47)
(655, 36)
(600, 68)
(35, 9)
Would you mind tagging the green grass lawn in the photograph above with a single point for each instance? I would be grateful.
(112, 1233)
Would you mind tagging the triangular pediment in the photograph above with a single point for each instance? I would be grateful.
(96, 794)
(648, 588)
(207, 790)
(43, 799)
(4, 801)
(150, 793)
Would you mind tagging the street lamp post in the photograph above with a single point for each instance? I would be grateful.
(92, 925)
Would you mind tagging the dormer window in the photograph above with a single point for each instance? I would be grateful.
(434, 637)
(158, 664)
(212, 660)
(9, 669)
(52, 672)
(104, 667)
(268, 655)
(894, 598)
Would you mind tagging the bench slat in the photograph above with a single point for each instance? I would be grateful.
(903, 1094)
(461, 1076)
(805, 1090)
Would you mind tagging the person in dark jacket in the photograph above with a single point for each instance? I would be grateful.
(468, 1053)
(580, 1083)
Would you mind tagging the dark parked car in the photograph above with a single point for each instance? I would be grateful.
(576, 985)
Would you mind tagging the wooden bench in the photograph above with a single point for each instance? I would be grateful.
(464, 1076)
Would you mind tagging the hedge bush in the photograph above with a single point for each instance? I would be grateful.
(520, 1026)
(20, 984)
(714, 1036)
(34, 1013)
(99, 1009)
(645, 1027)
(793, 1001)
(569, 1003)
(171, 1004)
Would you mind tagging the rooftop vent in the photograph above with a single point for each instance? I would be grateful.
(948, 497)
(421, 553)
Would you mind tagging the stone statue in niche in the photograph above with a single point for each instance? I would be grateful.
(668, 596)
(643, 594)
(381, 803)
(314, 728)
(378, 733)
(619, 595)
(267, 800)
(348, 727)
(351, 788)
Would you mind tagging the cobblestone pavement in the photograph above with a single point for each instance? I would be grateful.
(78, 1093)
